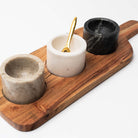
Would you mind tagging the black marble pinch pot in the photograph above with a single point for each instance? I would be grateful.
(101, 35)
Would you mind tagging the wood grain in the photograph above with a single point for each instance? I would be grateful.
(61, 92)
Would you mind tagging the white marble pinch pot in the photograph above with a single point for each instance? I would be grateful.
(23, 78)
(66, 64)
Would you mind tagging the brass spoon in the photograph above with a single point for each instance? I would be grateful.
(72, 28)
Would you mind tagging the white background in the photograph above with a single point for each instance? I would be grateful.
(108, 111)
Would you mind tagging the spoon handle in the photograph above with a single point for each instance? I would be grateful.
(72, 28)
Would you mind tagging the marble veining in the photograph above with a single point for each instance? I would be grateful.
(101, 35)
(23, 78)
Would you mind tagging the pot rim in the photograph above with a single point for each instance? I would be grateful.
(67, 54)
(9, 78)
(116, 30)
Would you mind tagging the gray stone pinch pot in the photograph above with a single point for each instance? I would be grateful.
(23, 78)
(101, 35)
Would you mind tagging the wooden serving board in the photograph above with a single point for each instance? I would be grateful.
(61, 92)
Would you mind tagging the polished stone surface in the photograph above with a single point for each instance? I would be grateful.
(66, 64)
(23, 78)
(101, 35)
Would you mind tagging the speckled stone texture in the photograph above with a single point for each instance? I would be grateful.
(101, 35)
(23, 78)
